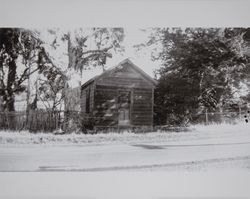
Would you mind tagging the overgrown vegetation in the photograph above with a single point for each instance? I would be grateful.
(202, 69)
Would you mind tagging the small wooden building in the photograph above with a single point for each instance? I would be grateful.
(120, 96)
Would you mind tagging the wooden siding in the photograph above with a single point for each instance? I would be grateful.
(83, 98)
(142, 107)
(124, 76)
(83, 101)
(105, 106)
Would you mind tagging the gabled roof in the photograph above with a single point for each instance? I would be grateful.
(145, 75)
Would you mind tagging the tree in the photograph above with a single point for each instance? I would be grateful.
(82, 49)
(200, 68)
(23, 52)
(86, 48)
(49, 88)
(18, 50)
(9, 54)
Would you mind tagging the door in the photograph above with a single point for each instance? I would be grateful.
(124, 102)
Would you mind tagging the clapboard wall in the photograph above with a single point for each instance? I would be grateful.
(104, 91)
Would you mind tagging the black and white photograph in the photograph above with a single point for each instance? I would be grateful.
(134, 99)
(104, 99)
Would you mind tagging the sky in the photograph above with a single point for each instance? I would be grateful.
(132, 37)
(142, 59)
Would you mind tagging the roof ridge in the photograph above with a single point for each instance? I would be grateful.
(119, 64)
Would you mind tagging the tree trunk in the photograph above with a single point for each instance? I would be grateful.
(10, 98)
(10, 103)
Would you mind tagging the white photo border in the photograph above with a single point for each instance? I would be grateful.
(122, 13)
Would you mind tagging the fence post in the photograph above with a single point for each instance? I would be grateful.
(206, 117)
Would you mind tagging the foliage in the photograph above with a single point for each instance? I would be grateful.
(17, 53)
(50, 90)
(200, 69)
(91, 47)
(23, 52)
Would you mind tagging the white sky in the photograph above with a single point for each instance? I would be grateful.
(132, 37)
(142, 59)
